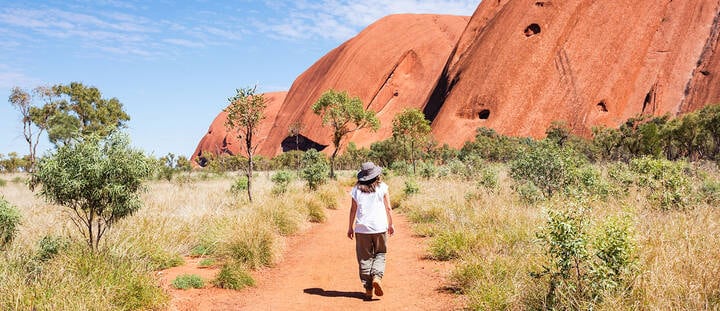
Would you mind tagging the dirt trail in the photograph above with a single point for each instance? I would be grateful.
(319, 272)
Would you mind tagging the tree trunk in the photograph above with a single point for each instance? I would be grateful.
(412, 156)
(248, 145)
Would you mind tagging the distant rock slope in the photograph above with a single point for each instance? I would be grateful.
(217, 140)
(514, 66)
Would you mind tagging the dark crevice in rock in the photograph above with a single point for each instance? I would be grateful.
(484, 114)
(532, 30)
(602, 107)
(649, 101)
(300, 142)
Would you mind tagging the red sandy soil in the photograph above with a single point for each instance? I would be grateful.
(319, 272)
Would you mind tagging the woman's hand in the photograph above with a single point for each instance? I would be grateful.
(391, 230)
(350, 233)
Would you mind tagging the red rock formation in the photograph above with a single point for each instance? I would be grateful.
(517, 66)
(218, 141)
(391, 65)
(520, 65)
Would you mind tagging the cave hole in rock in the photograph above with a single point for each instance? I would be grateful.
(705, 72)
(484, 114)
(300, 142)
(602, 107)
(540, 4)
(532, 30)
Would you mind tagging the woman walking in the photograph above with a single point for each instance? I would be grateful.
(370, 223)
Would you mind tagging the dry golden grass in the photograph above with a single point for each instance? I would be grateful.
(178, 217)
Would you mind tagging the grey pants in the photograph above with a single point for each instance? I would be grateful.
(370, 250)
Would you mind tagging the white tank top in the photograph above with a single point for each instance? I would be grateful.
(370, 216)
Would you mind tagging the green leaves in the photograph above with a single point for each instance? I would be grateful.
(99, 179)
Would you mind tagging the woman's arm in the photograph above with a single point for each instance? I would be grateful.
(388, 211)
(351, 223)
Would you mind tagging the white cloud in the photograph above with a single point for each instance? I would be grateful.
(341, 19)
(10, 78)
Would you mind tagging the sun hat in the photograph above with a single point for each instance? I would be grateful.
(368, 171)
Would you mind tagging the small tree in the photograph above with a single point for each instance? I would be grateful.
(244, 115)
(74, 111)
(411, 127)
(34, 119)
(97, 179)
(314, 167)
(345, 115)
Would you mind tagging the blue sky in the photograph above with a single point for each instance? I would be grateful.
(173, 64)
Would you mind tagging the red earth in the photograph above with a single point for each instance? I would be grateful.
(319, 272)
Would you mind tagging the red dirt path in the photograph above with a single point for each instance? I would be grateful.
(319, 272)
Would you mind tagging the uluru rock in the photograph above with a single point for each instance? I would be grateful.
(391, 65)
(218, 141)
(521, 64)
(515, 66)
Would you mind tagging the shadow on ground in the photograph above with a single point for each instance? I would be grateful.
(334, 293)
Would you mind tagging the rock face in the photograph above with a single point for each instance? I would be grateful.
(391, 65)
(520, 65)
(514, 66)
(219, 141)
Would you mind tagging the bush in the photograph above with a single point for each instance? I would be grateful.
(9, 222)
(240, 185)
(233, 276)
(281, 180)
(49, 246)
(488, 178)
(186, 281)
(428, 170)
(710, 192)
(401, 168)
(3, 182)
(315, 169)
(411, 187)
(315, 211)
(206, 263)
(667, 183)
(582, 267)
(548, 167)
(98, 179)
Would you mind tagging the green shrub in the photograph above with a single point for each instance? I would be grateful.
(710, 192)
(281, 180)
(315, 169)
(9, 222)
(584, 265)
(428, 170)
(3, 182)
(411, 187)
(488, 178)
(240, 185)
(161, 259)
(548, 167)
(186, 281)
(667, 182)
(49, 246)
(401, 168)
(529, 193)
(233, 276)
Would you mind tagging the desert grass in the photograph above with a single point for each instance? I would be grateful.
(490, 235)
(195, 214)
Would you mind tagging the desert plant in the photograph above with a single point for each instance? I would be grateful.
(411, 187)
(186, 281)
(548, 166)
(9, 221)
(314, 169)
(240, 185)
(49, 246)
(667, 181)
(281, 180)
(97, 179)
(233, 276)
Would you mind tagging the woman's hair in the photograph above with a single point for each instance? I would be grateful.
(368, 186)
